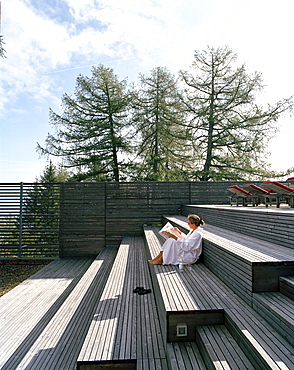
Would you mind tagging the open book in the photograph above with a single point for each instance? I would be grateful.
(168, 227)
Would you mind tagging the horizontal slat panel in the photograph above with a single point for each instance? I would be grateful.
(109, 211)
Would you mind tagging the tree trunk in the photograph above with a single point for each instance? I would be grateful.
(208, 160)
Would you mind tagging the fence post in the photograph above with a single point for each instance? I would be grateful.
(20, 220)
(190, 192)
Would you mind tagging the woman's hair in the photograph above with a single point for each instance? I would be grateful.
(194, 219)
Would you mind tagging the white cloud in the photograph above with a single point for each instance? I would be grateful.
(136, 36)
(37, 44)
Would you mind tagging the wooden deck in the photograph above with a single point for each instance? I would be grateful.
(245, 263)
(46, 316)
(185, 356)
(125, 328)
(83, 313)
(236, 304)
(264, 342)
(173, 295)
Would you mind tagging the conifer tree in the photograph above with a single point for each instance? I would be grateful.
(160, 127)
(41, 203)
(230, 130)
(91, 132)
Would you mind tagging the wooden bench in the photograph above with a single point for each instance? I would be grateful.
(124, 331)
(46, 315)
(256, 338)
(244, 263)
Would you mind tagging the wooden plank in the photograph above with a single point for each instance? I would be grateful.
(255, 335)
(97, 207)
(271, 225)
(175, 288)
(250, 329)
(254, 248)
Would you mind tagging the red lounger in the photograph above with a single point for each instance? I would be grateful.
(263, 195)
(281, 189)
(278, 187)
(239, 192)
(291, 180)
(257, 190)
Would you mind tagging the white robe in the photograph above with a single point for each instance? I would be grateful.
(187, 247)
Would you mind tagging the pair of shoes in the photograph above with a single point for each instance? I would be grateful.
(144, 291)
(138, 289)
(141, 290)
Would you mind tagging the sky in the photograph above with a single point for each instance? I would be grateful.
(49, 43)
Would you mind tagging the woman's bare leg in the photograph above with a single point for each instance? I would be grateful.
(157, 260)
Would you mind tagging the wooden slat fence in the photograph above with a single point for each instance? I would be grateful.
(29, 220)
(73, 219)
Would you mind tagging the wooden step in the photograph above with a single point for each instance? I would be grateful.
(287, 286)
(185, 356)
(173, 294)
(262, 344)
(124, 329)
(278, 310)
(244, 263)
(220, 350)
(28, 308)
(60, 342)
(270, 224)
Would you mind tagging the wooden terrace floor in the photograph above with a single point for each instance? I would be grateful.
(46, 320)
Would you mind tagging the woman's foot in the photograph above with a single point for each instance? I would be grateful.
(156, 263)
(157, 260)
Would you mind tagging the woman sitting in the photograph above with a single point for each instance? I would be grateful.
(185, 248)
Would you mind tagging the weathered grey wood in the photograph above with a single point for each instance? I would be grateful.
(272, 225)
(82, 219)
(94, 215)
(184, 356)
(264, 346)
(287, 286)
(125, 325)
(246, 264)
(148, 364)
(65, 332)
(277, 309)
(174, 294)
(28, 308)
(220, 350)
